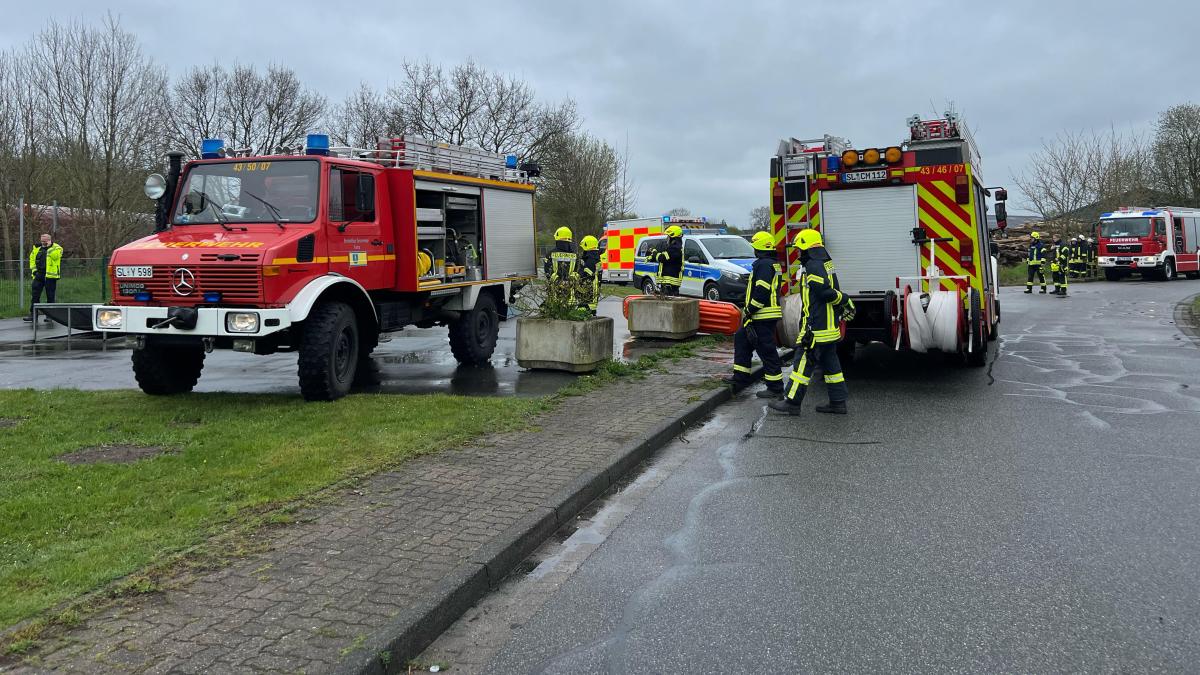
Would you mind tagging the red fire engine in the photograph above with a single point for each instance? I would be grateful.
(907, 229)
(1158, 243)
(319, 251)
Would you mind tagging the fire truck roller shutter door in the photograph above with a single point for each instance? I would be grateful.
(869, 233)
(508, 233)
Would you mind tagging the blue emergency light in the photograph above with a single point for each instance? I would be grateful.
(1106, 215)
(833, 164)
(666, 219)
(142, 296)
(510, 161)
(212, 296)
(316, 144)
(212, 148)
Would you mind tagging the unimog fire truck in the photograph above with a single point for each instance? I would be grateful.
(319, 251)
(906, 226)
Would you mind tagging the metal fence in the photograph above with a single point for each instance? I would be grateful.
(83, 280)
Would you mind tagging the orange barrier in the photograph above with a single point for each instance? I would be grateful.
(716, 318)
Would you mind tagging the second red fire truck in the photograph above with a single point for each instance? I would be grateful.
(1157, 243)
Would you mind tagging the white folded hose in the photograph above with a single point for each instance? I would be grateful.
(935, 327)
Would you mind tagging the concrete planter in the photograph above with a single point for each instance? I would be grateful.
(666, 318)
(573, 346)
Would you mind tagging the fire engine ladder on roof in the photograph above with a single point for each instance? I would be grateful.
(414, 152)
(799, 163)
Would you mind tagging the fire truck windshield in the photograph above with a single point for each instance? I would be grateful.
(232, 187)
(1125, 227)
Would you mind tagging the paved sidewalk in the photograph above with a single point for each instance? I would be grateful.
(330, 589)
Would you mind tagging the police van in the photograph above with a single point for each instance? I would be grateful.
(715, 266)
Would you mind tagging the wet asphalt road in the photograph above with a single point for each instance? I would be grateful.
(1041, 515)
(413, 361)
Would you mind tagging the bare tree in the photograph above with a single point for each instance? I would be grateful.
(363, 117)
(760, 218)
(578, 186)
(198, 108)
(680, 211)
(1177, 154)
(625, 190)
(270, 112)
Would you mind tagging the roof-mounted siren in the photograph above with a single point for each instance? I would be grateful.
(316, 144)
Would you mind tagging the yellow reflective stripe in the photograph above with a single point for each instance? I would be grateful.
(834, 379)
(741, 369)
(762, 283)
(756, 303)
(799, 378)
(778, 377)
(768, 313)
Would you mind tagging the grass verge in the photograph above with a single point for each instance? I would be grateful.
(67, 529)
(617, 291)
(85, 288)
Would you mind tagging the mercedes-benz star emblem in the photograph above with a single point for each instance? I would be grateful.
(183, 281)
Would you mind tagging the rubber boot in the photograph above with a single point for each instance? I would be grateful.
(1043, 291)
(833, 408)
(1029, 290)
(27, 319)
(770, 393)
(783, 405)
(734, 384)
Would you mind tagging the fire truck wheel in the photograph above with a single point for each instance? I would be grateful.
(162, 370)
(711, 292)
(1168, 271)
(977, 353)
(1112, 275)
(473, 337)
(328, 352)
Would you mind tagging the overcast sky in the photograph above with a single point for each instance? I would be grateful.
(705, 90)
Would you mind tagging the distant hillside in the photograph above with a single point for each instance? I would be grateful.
(1013, 220)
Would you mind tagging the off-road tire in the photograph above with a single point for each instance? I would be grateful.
(1112, 275)
(329, 349)
(977, 357)
(711, 292)
(162, 370)
(473, 336)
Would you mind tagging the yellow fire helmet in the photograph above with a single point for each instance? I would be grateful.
(1035, 234)
(588, 243)
(562, 234)
(674, 231)
(762, 241)
(806, 239)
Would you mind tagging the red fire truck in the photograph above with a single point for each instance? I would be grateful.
(907, 228)
(1158, 243)
(319, 251)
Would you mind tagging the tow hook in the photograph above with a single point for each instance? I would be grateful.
(209, 344)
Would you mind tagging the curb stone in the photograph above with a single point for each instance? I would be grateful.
(1187, 321)
(411, 631)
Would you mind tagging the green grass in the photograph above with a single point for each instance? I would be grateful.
(1014, 275)
(83, 288)
(613, 290)
(66, 529)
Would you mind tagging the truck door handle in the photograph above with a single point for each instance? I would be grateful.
(377, 242)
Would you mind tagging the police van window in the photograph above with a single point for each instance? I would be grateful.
(644, 246)
(343, 196)
(692, 250)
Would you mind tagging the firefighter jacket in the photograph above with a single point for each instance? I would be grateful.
(53, 261)
(670, 263)
(589, 274)
(821, 294)
(1065, 255)
(762, 291)
(1036, 253)
(562, 263)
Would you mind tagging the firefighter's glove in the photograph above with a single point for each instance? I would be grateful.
(806, 340)
(848, 311)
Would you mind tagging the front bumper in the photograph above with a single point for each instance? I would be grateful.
(210, 321)
(732, 291)
(1129, 262)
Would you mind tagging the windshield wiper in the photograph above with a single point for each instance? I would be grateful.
(271, 207)
(219, 212)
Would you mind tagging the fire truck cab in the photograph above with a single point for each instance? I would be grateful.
(1158, 243)
(906, 226)
(319, 251)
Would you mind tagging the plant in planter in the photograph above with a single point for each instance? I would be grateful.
(554, 333)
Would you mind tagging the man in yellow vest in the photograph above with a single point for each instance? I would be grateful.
(760, 313)
(589, 273)
(45, 265)
(824, 306)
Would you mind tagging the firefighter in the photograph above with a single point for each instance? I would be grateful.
(670, 262)
(1091, 257)
(824, 304)
(760, 314)
(1077, 256)
(1037, 255)
(562, 265)
(589, 273)
(1060, 261)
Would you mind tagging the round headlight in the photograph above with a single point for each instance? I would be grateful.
(849, 158)
(156, 186)
(893, 155)
(870, 156)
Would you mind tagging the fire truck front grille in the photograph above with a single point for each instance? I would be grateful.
(1125, 248)
(235, 283)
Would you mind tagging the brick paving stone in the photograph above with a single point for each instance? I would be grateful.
(346, 566)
